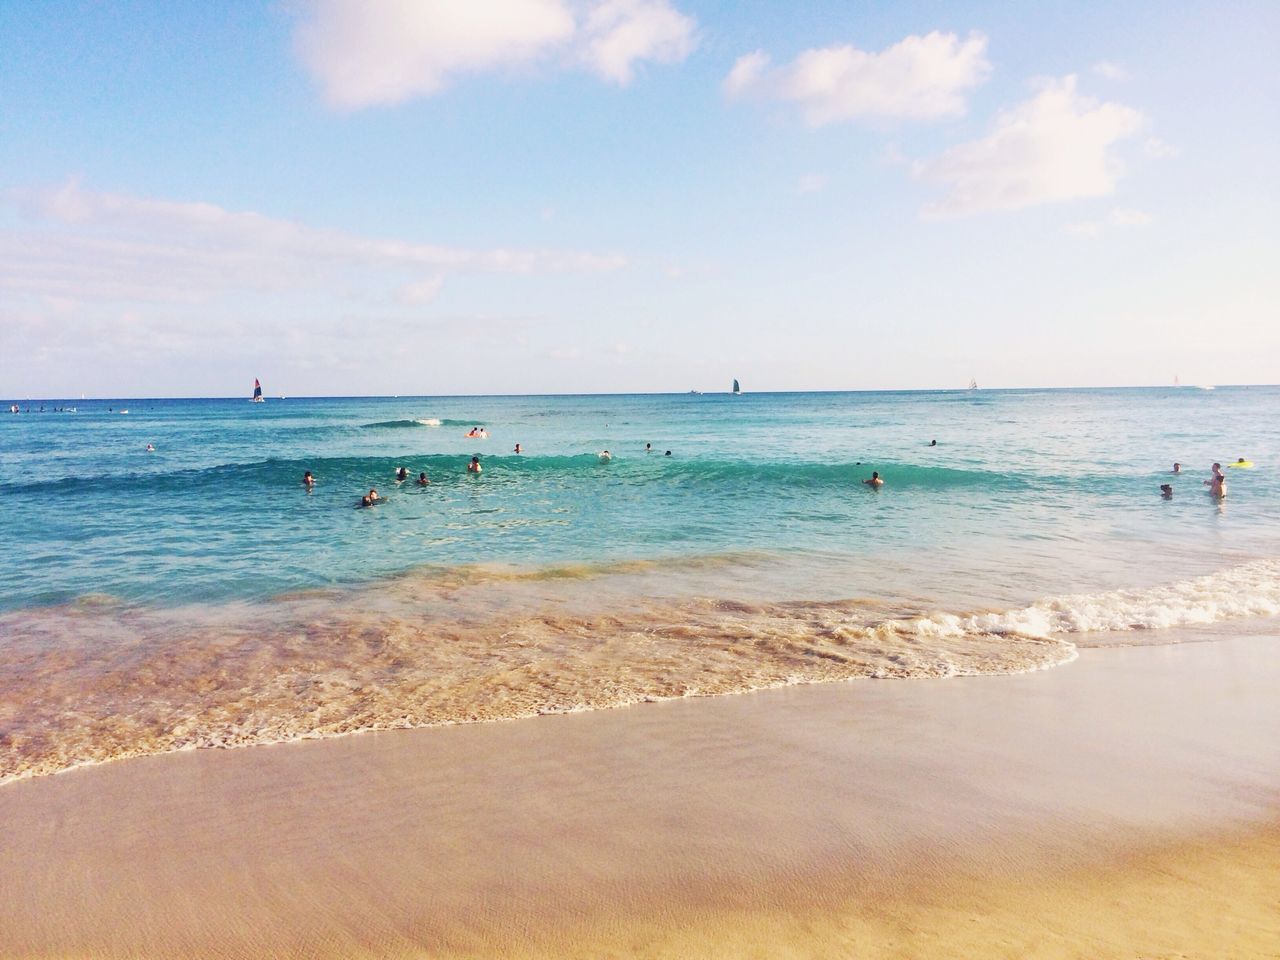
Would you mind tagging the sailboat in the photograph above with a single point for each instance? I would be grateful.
(1177, 381)
(973, 384)
(257, 392)
(736, 389)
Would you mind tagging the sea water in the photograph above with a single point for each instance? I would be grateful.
(197, 593)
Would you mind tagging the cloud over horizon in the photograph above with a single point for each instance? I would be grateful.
(91, 245)
(920, 77)
(1053, 147)
(366, 55)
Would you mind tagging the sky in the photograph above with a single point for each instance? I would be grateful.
(574, 196)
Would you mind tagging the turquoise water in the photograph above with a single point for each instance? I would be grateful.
(198, 595)
(217, 512)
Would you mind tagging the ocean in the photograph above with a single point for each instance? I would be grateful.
(197, 594)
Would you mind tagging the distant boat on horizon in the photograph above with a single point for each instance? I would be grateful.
(1176, 381)
(257, 392)
(736, 389)
(973, 384)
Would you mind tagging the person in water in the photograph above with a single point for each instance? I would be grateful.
(933, 443)
(422, 479)
(373, 495)
(365, 501)
(875, 483)
(518, 450)
(1166, 491)
(402, 474)
(1177, 468)
(1217, 484)
(605, 456)
(308, 480)
(648, 448)
(474, 465)
(1241, 461)
(150, 448)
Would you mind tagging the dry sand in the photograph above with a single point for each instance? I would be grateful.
(1127, 805)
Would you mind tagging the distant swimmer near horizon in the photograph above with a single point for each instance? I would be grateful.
(1242, 462)
(1166, 491)
(150, 448)
(518, 450)
(308, 480)
(422, 479)
(875, 483)
(933, 443)
(402, 474)
(605, 456)
(474, 465)
(478, 433)
(1177, 468)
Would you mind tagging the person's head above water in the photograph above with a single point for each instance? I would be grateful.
(1166, 489)
(667, 454)
(933, 443)
(1177, 468)
(1241, 460)
(365, 501)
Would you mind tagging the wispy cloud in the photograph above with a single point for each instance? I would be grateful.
(1055, 146)
(1109, 70)
(1119, 217)
(364, 54)
(919, 77)
(88, 245)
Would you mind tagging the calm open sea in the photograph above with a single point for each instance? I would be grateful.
(198, 594)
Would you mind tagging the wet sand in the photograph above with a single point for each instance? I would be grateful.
(1124, 805)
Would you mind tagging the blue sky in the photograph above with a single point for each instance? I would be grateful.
(545, 196)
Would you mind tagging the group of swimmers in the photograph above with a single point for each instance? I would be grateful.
(1217, 482)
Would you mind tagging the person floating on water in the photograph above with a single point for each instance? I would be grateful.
(422, 479)
(1166, 491)
(402, 474)
(1218, 483)
(308, 480)
(1177, 468)
(875, 483)
(474, 465)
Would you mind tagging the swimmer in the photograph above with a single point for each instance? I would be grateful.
(667, 454)
(150, 448)
(1240, 462)
(518, 450)
(365, 501)
(308, 480)
(1218, 483)
(1166, 491)
(422, 479)
(648, 448)
(875, 483)
(474, 465)
(605, 456)
(402, 474)
(933, 443)
(1177, 468)
(373, 495)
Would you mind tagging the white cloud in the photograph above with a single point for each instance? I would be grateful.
(386, 52)
(1119, 217)
(811, 183)
(1157, 149)
(1109, 70)
(918, 77)
(618, 33)
(91, 246)
(1055, 146)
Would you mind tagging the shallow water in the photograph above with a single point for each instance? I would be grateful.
(199, 595)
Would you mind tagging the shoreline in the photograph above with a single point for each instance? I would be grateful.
(797, 817)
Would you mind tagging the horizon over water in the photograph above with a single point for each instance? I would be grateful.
(198, 595)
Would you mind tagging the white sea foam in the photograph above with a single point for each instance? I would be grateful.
(1249, 590)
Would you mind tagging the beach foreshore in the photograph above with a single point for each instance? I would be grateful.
(1125, 805)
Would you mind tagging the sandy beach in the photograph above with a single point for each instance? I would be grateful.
(1125, 805)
